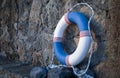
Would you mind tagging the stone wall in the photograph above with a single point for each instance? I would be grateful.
(27, 26)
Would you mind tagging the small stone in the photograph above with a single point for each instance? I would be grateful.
(38, 72)
(61, 72)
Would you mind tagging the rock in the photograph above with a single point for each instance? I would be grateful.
(38, 72)
(61, 72)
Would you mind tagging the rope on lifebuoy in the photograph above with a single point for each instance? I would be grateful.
(85, 38)
(91, 49)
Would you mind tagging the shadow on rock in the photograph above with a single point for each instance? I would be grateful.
(61, 72)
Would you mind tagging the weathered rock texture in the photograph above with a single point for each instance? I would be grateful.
(27, 26)
(112, 64)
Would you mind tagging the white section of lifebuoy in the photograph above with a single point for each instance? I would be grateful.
(61, 26)
(80, 52)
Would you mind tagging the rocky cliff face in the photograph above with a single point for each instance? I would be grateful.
(27, 26)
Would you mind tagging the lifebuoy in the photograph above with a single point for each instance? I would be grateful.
(84, 42)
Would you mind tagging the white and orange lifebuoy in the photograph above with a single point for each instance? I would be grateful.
(84, 42)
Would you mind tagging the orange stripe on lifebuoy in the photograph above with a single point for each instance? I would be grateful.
(67, 61)
(57, 39)
(84, 33)
(66, 20)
